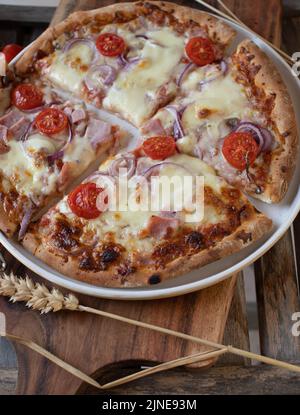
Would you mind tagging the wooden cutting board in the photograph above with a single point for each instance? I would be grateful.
(94, 344)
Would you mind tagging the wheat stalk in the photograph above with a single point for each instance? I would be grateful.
(38, 297)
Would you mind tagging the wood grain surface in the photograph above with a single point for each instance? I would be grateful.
(226, 380)
(95, 345)
(91, 343)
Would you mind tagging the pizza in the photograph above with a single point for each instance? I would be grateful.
(198, 110)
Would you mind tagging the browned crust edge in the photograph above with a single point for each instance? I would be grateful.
(268, 79)
(257, 226)
(217, 30)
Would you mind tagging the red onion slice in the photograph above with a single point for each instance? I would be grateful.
(59, 153)
(268, 139)
(142, 37)
(27, 132)
(72, 42)
(106, 73)
(126, 62)
(150, 170)
(26, 220)
(145, 37)
(178, 131)
(126, 161)
(262, 135)
(222, 72)
(188, 67)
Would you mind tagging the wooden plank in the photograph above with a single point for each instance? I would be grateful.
(26, 14)
(236, 329)
(253, 14)
(291, 7)
(277, 298)
(8, 380)
(232, 380)
(291, 34)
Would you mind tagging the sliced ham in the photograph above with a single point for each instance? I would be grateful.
(11, 118)
(98, 131)
(154, 126)
(3, 134)
(19, 128)
(161, 227)
(78, 115)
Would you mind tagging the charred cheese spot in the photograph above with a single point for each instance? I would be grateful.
(195, 240)
(65, 237)
(109, 255)
(154, 279)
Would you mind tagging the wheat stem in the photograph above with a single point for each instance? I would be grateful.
(38, 297)
(195, 358)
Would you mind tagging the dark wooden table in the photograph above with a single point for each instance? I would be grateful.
(276, 288)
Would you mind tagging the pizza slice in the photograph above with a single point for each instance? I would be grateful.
(125, 58)
(237, 116)
(44, 144)
(135, 243)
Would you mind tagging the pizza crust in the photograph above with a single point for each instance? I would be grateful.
(250, 230)
(268, 80)
(217, 30)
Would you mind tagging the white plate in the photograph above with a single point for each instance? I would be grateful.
(282, 215)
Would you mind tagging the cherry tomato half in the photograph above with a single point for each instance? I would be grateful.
(159, 148)
(200, 50)
(240, 149)
(51, 121)
(10, 51)
(110, 44)
(83, 200)
(26, 97)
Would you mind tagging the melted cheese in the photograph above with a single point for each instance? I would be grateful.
(220, 99)
(126, 224)
(25, 174)
(69, 68)
(36, 177)
(134, 91)
(80, 150)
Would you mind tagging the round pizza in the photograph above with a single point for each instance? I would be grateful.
(198, 110)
